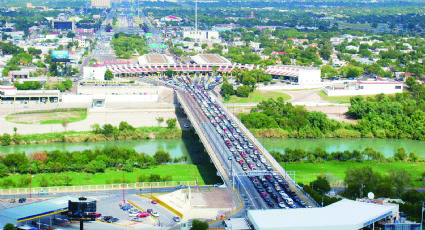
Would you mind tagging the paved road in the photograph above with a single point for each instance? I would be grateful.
(244, 184)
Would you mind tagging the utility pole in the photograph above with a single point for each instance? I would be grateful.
(196, 16)
(30, 182)
(123, 191)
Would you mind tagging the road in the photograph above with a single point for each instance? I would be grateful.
(243, 183)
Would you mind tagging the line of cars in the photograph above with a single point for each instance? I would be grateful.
(136, 214)
(271, 187)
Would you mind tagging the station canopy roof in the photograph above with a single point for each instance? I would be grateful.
(342, 215)
(35, 210)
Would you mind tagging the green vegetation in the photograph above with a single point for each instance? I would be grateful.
(104, 133)
(335, 99)
(48, 117)
(383, 116)
(126, 45)
(257, 96)
(171, 172)
(62, 86)
(28, 85)
(307, 172)
(108, 75)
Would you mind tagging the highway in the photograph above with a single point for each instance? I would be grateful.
(264, 184)
(222, 152)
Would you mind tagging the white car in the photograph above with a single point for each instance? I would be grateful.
(284, 195)
(133, 214)
(282, 205)
(289, 201)
(155, 214)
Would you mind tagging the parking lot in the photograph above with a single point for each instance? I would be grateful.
(109, 205)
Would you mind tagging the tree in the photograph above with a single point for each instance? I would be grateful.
(171, 123)
(401, 179)
(400, 155)
(4, 170)
(199, 225)
(162, 156)
(243, 91)
(70, 35)
(65, 123)
(159, 120)
(321, 185)
(360, 181)
(169, 72)
(9, 226)
(108, 75)
(6, 139)
(328, 71)
(227, 89)
(413, 196)
(351, 71)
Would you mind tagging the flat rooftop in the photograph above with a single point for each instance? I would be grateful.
(155, 59)
(343, 215)
(209, 59)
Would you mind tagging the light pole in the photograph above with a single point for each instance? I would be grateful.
(30, 182)
(151, 184)
(422, 215)
(123, 191)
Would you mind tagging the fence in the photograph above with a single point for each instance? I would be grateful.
(83, 188)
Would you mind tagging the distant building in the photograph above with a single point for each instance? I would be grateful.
(94, 73)
(171, 18)
(369, 87)
(63, 25)
(202, 35)
(101, 3)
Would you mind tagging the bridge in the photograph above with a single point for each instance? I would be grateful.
(230, 170)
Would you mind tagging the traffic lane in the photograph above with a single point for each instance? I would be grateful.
(246, 182)
(165, 218)
(219, 144)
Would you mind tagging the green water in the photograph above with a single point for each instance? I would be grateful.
(191, 146)
(386, 146)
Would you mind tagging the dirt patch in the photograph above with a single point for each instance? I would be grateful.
(214, 198)
(37, 118)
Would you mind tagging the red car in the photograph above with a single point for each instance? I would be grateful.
(263, 194)
(154, 202)
(143, 214)
(97, 215)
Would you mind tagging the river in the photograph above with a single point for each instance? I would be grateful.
(186, 147)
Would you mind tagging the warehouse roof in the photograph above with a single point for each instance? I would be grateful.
(35, 210)
(342, 215)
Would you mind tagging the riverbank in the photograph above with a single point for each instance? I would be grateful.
(335, 170)
(171, 172)
(90, 136)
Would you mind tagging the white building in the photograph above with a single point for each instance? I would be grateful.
(342, 215)
(94, 73)
(365, 88)
(202, 35)
(297, 74)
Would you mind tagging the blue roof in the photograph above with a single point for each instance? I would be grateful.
(35, 210)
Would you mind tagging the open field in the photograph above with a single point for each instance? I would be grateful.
(48, 116)
(258, 96)
(179, 172)
(307, 172)
(337, 99)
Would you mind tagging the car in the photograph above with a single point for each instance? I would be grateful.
(96, 215)
(282, 205)
(186, 126)
(112, 220)
(154, 213)
(137, 219)
(43, 192)
(177, 219)
(263, 194)
(133, 214)
(142, 214)
(149, 210)
(154, 202)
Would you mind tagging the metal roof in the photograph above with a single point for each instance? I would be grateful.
(342, 215)
(35, 210)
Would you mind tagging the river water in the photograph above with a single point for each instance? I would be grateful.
(186, 147)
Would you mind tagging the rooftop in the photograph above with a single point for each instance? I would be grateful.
(342, 215)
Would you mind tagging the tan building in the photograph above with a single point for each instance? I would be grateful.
(101, 3)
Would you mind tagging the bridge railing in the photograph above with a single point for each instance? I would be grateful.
(98, 187)
(270, 158)
(205, 141)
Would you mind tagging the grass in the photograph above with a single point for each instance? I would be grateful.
(258, 96)
(48, 116)
(307, 172)
(179, 172)
(335, 99)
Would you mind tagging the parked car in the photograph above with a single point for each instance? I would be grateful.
(177, 219)
(143, 214)
(154, 202)
(43, 192)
